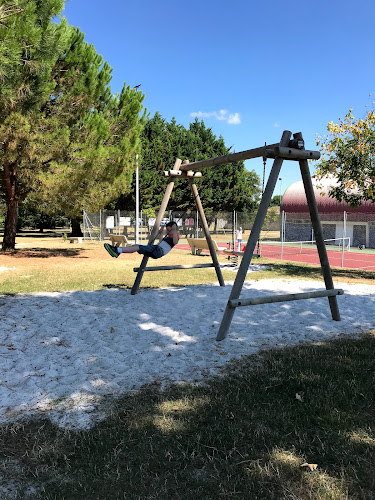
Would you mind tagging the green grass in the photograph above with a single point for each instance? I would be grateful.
(48, 264)
(246, 435)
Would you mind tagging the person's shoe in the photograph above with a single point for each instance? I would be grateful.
(111, 250)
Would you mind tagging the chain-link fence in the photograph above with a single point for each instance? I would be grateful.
(358, 227)
(100, 225)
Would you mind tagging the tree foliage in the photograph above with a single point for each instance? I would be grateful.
(30, 217)
(226, 187)
(66, 142)
(348, 156)
(276, 200)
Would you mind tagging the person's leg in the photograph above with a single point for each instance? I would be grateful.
(112, 250)
(153, 251)
(129, 249)
(157, 252)
(115, 252)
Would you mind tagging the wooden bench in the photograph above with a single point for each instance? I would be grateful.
(199, 244)
(119, 239)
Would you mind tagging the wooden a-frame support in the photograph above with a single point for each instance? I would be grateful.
(287, 149)
(255, 232)
(215, 263)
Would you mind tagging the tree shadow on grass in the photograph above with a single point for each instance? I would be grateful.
(245, 435)
(45, 253)
(39, 235)
(123, 286)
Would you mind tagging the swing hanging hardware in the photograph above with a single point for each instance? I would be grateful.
(265, 151)
(297, 144)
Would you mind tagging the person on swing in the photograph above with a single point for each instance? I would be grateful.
(157, 251)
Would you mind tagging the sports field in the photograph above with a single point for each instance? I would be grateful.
(352, 259)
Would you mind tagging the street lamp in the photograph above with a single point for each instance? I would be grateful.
(136, 192)
(136, 201)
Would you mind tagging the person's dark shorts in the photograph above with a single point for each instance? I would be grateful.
(153, 251)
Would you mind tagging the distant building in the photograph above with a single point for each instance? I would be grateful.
(336, 217)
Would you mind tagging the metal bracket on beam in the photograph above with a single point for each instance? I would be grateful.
(297, 144)
(292, 154)
(183, 174)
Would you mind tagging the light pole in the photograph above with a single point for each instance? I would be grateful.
(136, 192)
(136, 201)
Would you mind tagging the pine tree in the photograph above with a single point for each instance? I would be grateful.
(67, 143)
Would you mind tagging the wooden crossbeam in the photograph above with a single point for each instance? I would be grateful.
(169, 268)
(221, 160)
(270, 299)
(292, 153)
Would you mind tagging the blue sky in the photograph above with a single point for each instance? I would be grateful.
(250, 69)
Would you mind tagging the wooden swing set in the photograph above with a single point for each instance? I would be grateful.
(286, 149)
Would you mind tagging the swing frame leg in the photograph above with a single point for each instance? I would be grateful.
(155, 229)
(318, 232)
(317, 227)
(206, 231)
(254, 236)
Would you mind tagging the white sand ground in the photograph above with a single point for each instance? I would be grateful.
(60, 353)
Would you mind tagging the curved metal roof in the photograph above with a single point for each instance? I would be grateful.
(294, 200)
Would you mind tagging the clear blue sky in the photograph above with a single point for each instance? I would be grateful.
(250, 69)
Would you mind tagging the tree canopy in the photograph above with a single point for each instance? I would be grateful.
(348, 155)
(66, 142)
(226, 187)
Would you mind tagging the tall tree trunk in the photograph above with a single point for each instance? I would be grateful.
(76, 227)
(10, 230)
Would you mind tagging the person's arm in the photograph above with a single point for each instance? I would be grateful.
(174, 235)
(160, 234)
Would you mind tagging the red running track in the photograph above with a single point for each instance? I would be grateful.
(352, 260)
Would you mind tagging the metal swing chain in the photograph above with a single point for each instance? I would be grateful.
(264, 176)
(264, 166)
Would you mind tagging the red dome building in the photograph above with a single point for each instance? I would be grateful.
(338, 218)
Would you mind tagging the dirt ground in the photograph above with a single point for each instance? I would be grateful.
(34, 249)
